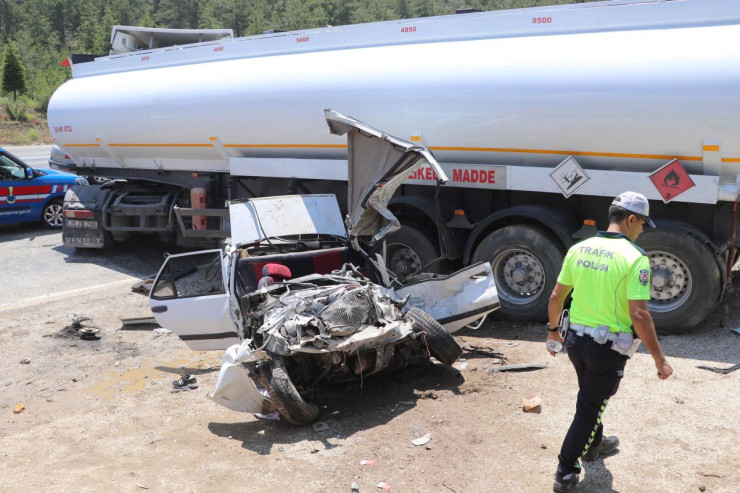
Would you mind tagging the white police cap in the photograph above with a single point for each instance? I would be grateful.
(635, 202)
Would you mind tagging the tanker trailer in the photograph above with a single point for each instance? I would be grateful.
(539, 117)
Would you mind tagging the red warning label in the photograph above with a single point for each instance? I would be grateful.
(671, 180)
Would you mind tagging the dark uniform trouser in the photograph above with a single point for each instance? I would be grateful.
(599, 369)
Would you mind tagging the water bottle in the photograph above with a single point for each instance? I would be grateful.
(554, 346)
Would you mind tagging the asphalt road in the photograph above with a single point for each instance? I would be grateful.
(34, 156)
(37, 268)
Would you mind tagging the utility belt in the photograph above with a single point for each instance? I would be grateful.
(622, 342)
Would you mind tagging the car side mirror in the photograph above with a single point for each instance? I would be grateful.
(29, 173)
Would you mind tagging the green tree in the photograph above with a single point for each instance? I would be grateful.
(14, 75)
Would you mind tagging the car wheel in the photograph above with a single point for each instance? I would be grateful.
(285, 397)
(526, 263)
(51, 216)
(441, 344)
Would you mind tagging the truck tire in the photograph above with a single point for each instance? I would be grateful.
(408, 250)
(526, 262)
(51, 216)
(685, 280)
(285, 397)
(441, 344)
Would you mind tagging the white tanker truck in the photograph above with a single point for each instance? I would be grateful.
(539, 117)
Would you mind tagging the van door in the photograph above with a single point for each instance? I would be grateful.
(190, 298)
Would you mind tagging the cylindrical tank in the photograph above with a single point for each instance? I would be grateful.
(626, 99)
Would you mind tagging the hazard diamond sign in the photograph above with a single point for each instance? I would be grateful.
(671, 180)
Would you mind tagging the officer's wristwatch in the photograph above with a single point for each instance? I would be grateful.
(551, 329)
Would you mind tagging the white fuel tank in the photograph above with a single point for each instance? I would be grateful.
(619, 85)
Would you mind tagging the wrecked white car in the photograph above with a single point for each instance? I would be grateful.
(296, 301)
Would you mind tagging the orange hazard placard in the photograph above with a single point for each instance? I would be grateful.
(671, 180)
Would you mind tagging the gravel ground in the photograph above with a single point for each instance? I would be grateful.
(101, 415)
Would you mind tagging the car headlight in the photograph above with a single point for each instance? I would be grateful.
(81, 181)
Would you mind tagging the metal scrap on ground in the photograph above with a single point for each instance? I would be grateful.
(723, 371)
(523, 367)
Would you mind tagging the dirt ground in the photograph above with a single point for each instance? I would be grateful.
(101, 415)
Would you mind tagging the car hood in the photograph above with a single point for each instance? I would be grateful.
(56, 175)
(378, 164)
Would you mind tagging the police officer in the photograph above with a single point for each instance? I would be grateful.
(610, 278)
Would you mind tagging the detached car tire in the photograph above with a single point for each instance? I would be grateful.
(441, 344)
(285, 397)
(51, 216)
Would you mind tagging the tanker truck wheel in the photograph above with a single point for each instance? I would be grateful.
(685, 280)
(526, 262)
(285, 397)
(408, 250)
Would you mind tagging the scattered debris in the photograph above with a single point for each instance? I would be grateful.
(273, 416)
(384, 486)
(532, 404)
(89, 333)
(186, 382)
(523, 367)
(76, 328)
(464, 366)
(18, 408)
(160, 332)
(449, 488)
(143, 287)
(320, 426)
(422, 440)
(702, 488)
(543, 446)
(142, 486)
(367, 462)
(151, 437)
(407, 403)
(137, 322)
(723, 371)
(25, 361)
(483, 350)
(355, 488)
(429, 394)
(736, 330)
(678, 400)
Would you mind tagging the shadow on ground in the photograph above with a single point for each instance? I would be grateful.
(349, 408)
(712, 341)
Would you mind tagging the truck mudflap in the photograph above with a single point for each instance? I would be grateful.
(82, 212)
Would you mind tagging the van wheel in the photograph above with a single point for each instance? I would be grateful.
(51, 216)
(685, 280)
(285, 397)
(525, 263)
(441, 344)
(408, 250)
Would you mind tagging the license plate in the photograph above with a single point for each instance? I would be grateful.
(76, 223)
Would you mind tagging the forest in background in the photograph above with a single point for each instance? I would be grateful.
(45, 32)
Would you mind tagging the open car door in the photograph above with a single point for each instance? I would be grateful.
(189, 297)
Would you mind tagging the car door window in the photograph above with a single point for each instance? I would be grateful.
(189, 276)
(10, 170)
